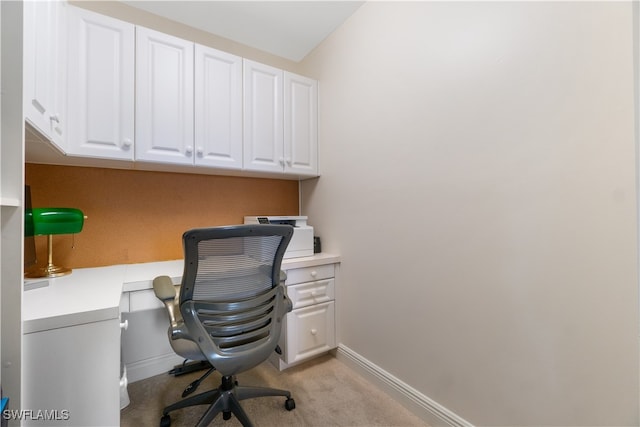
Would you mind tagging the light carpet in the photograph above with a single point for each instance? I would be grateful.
(326, 392)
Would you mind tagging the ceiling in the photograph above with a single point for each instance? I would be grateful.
(289, 29)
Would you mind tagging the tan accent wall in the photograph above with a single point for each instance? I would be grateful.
(139, 216)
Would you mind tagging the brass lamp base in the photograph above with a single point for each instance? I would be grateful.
(50, 270)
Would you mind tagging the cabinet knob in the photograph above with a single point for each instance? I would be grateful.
(314, 331)
(126, 143)
(188, 150)
(200, 151)
(124, 325)
(281, 161)
(289, 162)
(55, 118)
(314, 273)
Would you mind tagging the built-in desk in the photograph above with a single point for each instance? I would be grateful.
(72, 334)
(308, 330)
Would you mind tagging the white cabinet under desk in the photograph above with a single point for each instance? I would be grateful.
(71, 349)
(309, 329)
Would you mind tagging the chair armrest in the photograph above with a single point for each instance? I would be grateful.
(163, 288)
(166, 292)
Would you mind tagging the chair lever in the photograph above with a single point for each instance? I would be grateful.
(194, 385)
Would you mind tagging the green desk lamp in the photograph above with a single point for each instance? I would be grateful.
(50, 221)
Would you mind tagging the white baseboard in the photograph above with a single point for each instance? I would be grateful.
(425, 408)
(147, 368)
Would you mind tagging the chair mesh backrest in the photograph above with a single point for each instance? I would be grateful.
(235, 267)
(231, 298)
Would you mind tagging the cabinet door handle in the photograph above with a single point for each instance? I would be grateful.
(54, 118)
(124, 325)
(289, 162)
(126, 143)
(188, 150)
(314, 331)
(200, 151)
(314, 273)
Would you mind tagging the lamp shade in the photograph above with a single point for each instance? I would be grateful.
(56, 221)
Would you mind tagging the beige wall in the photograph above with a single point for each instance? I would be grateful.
(478, 179)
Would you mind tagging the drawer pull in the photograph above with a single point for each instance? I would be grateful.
(124, 325)
(314, 273)
(314, 331)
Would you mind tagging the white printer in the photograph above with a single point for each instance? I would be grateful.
(301, 243)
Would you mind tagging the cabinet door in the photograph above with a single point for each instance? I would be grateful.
(101, 88)
(309, 331)
(44, 68)
(218, 108)
(164, 98)
(76, 369)
(300, 125)
(263, 126)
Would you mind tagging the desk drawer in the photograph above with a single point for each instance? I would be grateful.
(306, 294)
(308, 274)
(145, 300)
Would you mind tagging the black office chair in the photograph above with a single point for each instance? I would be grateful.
(229, 311)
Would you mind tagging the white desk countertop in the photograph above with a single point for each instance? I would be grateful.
(86, 295)
(93, 294)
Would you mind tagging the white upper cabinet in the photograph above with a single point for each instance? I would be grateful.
(101, 86)
(103, 89)
(218, 109)
(164, 98)
(280, 121)
(263, 125)
(44, 68)
(300, 125)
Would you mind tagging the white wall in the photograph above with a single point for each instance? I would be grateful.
(478, 179)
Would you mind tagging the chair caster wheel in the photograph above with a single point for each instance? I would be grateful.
(165, 421)
(290, 404)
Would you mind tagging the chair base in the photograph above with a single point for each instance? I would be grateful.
(226, 399)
